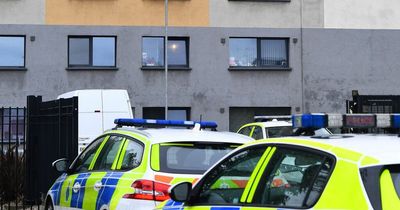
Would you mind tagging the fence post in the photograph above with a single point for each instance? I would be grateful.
(30, 184)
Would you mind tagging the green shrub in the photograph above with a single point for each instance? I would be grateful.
(11, 175)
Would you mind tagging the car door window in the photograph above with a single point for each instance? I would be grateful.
(257, 133)
(225, 184)
(294, 178)
(246, 130)
(132, 155)
(108, 153)
(82, 163)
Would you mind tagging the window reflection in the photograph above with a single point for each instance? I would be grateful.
(153, 51)
(243, 52)
(92, 51)
(12, 51)
(260, 52)
(103, 51)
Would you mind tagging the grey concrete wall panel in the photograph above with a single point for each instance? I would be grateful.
(22, 11)
(313, 13)
(362, 14)
(338, 61)
(207, 88)
(224, 13)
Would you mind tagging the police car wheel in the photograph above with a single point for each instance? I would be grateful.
(49, 205)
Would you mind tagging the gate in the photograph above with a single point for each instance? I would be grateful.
(374, 104)
(52, 133)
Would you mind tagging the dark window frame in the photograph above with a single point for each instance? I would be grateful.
(170, 67)
(15, 67)
(90, 65)
(188, 110)
(258, 58)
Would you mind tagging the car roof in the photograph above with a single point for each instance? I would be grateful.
(269, 124)
(384, 148)
(162, 135)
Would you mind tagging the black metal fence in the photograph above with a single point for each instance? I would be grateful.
(31, 139)
(52, 133)
(12, 157)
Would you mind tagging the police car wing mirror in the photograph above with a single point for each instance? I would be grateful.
(181, 191)
(61, 165)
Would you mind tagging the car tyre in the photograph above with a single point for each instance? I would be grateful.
(49, 205)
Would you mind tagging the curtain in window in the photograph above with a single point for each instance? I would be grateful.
(273, 53)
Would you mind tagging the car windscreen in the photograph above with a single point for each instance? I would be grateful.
(191, 157)
(279, 131)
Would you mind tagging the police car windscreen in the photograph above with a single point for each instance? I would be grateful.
(190, 157)
(279, 131)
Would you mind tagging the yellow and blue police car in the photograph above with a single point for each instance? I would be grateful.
(320, 172)
(132, 168)
(276, 126)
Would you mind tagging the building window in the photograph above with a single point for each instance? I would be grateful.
(259, 52)
(12, 51)
(174, 113)
(153, 52)
(87, 51)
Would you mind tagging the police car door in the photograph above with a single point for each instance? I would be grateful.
(101, 183)
(294, 178)
(72, 191)
(88, 186)
(228, 185)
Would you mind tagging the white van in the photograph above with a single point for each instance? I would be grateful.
(97, 109)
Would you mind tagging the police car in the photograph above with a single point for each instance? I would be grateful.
(276, 126)
(132, 168)
(327, 172)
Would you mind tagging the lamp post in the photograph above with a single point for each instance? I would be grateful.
(166, 57)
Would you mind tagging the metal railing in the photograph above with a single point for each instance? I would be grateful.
(12, 158)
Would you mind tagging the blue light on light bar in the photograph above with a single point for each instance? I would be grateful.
(180, 123)
(309, 121)
(396, 120)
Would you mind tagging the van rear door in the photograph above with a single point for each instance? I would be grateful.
(116, 104)
(90, 116)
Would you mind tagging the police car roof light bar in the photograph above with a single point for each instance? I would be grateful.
(321, 120)
(178, 123)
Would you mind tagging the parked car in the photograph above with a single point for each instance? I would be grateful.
(277, 126)
(133, 168)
